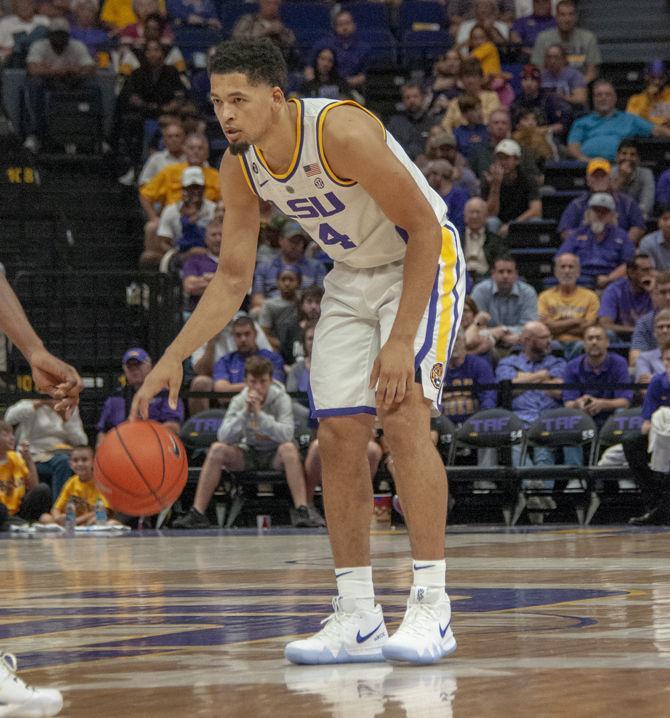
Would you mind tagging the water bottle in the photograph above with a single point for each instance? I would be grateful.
(70, 517)
(100, 513)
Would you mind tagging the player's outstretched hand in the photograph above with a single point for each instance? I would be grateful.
(393, 373)
(167, 374)
(59, 380)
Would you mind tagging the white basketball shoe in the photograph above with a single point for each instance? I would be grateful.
(21, 701)
(349, 635)
(425, 634)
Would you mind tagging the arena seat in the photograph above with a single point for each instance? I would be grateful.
(621, 425)
(232, 11)
(497, 429)
(420, 15)
(420, 48)
(557, 429)
(554, 203)
(538, 234)
(369, 15)
(565, 175)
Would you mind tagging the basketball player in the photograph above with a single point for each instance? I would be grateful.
(61, 381)
(390, 312)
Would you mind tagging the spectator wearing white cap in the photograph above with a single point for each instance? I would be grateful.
(55, 63)
(182, 224)
(512, 195)
(603, 248)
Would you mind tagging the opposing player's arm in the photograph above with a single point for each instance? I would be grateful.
(356, 148)
(224, 294)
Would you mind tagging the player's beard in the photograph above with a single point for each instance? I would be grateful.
(239, 148)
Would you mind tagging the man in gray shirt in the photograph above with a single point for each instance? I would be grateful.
(56, 63)
(657, 244)
(581, 45)
(631, 179)
(508, 300)
(256, 434)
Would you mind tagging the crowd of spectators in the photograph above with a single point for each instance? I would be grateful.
(481, 137)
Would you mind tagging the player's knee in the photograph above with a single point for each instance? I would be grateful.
(400, 430)
(374, 451)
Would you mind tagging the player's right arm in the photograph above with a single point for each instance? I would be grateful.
(224, 294)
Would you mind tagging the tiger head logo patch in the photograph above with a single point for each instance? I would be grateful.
(436, 374)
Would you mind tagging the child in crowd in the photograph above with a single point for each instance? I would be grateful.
(21, 494)
(80, 489)
(474, 132)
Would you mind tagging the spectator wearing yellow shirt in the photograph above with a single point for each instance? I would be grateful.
(485, 51)
(117, 14)
(166, 187)
(567, 309)
(653, 103)
(472, 81)
(80, 489)
(21, 494)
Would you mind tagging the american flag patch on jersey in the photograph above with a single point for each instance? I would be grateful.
(313, 169)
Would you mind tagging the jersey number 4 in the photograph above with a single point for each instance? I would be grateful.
(328, 235)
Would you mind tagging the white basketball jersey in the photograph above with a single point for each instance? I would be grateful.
(339, 215)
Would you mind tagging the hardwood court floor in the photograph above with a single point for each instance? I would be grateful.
(550, 622)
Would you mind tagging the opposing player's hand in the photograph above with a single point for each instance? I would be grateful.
(393, 373)
(59, 380)
(167, 374)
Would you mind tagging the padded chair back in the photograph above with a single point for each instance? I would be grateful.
(446, 438)
(491, 428)
(200, 431)
(561, 427)
(623, 424)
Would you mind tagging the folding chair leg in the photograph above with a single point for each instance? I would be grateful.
(220, 508)
(235, 508)
(518, 509)
(593, 507)
(579, 510)
(162, 516)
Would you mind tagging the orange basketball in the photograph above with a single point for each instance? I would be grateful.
(140, 467)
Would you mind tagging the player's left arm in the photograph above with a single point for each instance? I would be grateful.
(356, 149)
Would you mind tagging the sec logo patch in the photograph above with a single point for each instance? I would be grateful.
(436, 374)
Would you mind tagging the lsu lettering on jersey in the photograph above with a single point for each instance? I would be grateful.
(336, 212)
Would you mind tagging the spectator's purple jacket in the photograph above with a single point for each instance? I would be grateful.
(231, 366)
(116, 408)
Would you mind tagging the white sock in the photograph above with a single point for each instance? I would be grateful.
(431, 574)
(356, 582)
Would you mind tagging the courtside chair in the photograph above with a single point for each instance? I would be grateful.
(497, 429)
(621, 425)
(557, 429)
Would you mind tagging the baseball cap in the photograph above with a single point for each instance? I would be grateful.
(656, 68)
(191, 176)
(59, 24)
(444, 138)
(602, 199)
(598, 163)
(135, 354)
(531, 71)
(292, 229)
(511, 148)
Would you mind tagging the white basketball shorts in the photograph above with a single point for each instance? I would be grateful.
(358, 309)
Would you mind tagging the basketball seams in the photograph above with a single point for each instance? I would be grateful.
(160, 443)
(137, 468)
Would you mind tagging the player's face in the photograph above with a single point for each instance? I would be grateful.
(245, 339)
(245, 112)
(7, 440)
(81, 462)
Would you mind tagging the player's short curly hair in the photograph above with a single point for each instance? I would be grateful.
(260, 60)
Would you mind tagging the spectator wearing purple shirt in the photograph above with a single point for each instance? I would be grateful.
(198, 13)
(228, 372)
(663, 189)
(628, 299)
(351, 53)
(534, 364)
(136, 365)
(643, 335)
(598, 179)
(466, 370)
(526, 29)
(557, 76)
(199, 269)
(654, 486)
(603, 248)
(292, 243)
(597, 372)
